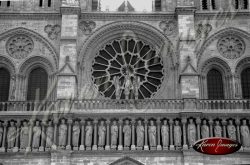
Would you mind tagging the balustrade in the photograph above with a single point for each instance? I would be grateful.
(157, 133)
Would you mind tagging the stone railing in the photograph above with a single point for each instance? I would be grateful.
(121, 132)
(124, 104)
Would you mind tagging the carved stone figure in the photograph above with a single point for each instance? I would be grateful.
(49, 135)
(89, 132)
(204, 130)
(165, 134)
(140, 134)
(217, 129)
(136, 86)
(62, 134)
(75, 134)
(11, 135)
(53, 31)
(177, 134)
(13, 87)
(152, 134)
(24, 135)
(191, 132)
(114, 134)
(117, 87)
(127, 134)
(244, 129)
(127, 85)
(231, 130)
(101, 134)
(1, 133)
(36, 135)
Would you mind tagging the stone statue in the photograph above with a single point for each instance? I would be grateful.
(177, 134)
(244, 129)
(114, 134)
(13, 87)
(127, 85)
(136, 86)
(117, 87)
(127, 134)
(1, 134)
(217, 129)
(204, 130)
(11, 135)
(49, 135)
(165, 133)
(140, 134)
(191, 131)
(101, 134)
(152, 134)
(231, 130)
(89, 132)
(62, 133)
(24, 136)
(75, 134)
(37, 131)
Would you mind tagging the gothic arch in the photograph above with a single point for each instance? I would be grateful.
(219, 34)
(126, 160)
(7, 64)
(28, 32)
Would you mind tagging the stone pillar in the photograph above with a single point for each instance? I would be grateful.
(82, 147)
(120, 146)
(95, 135)
(107, 147)
(70, 121)
(184, 122)
(211, 122)
(198, 122)
(146, 135)
(224, 124)
(5, 124)
(133, 135)
(238, 130)
(171, 122)
(158, 122)
(43, 136)
(31, 123)
(16, 148)
(55, 122)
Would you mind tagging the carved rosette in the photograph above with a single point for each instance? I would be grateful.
(231, 46)
(168, 27)
(87, 27)
(53, 31)
(19, 46)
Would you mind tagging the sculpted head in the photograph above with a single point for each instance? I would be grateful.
(76, 122)
(165, 122)
(37, 123)
(139, 122)
(102, 122)
(191, 121)
(176, 122)
(244, 122)
(25, 123)
(231, 122)
(151, 122)
(204, 122)
(217, 122)
(127, 122)
(12, 123)
(88, 123)
(63, 121)
(114, 122)
(50, 123)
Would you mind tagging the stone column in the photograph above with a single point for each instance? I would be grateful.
(5, 124)
(107, 147)
(31, 123)
(146, 135)
(184, 122)
(171, 122)
(198, 122)
(211, 122)
(70, 121)
(55, 122)
(238, 130)
(82, 147)
(133, 134)
(16, 148)
(95, 135)
(158, 122)
(224, 124)
(120, 146)
(43, 136)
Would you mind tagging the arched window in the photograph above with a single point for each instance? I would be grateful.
(245, 83)
(4, 84)
(215, 85)
(157, 5)
(241, 4)
(204, 4)
(37, 84)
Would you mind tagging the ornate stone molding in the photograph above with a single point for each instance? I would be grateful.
(203, 30)
(168, 27)
(87, 27)
(53, 31)
(241, 65)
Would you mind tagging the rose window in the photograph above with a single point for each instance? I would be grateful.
(231, 46)
(127, 69)
(20, 46)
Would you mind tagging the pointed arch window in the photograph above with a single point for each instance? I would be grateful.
(245, 83)
(37, 84)
(4, 84)
(215, 87)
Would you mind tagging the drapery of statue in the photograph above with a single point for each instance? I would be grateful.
(127, 134)
(49, 135)
(24, 135)
(152, 134)
(177, 134)
(75, 134)
(101, 134)
(191, 130)
(244, 129)
(217, 129)
(62, 133)
(114, 134)
(165, 134)
(140, 134)
(231, 130)
(37, 130)
(204, 130)
(11, 135)
(88, 135)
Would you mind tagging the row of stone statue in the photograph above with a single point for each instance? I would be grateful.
(135, 134)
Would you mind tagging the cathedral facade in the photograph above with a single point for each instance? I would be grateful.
(81, 84)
